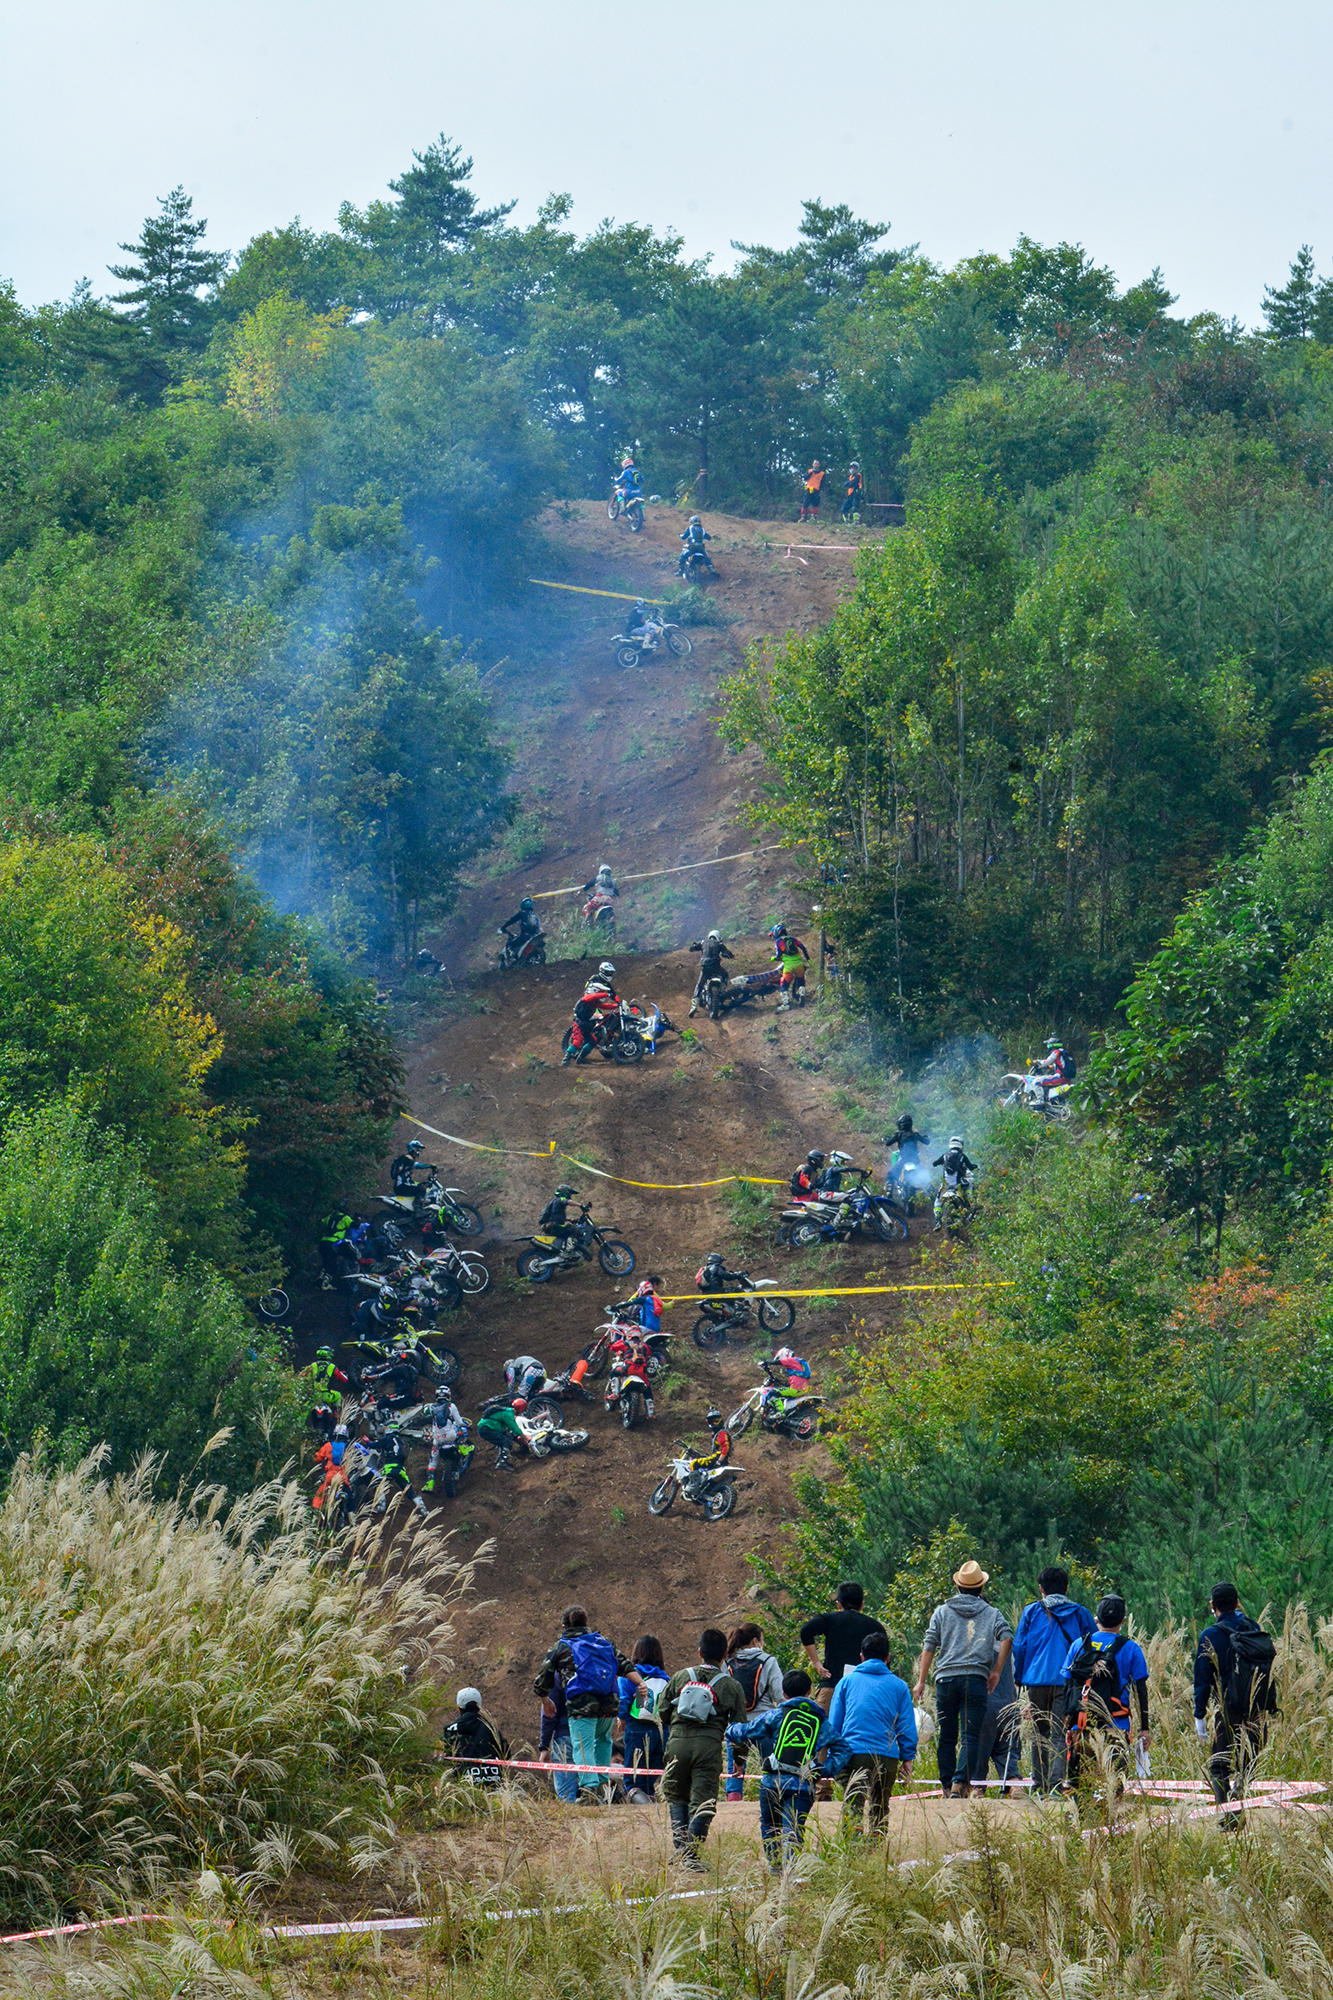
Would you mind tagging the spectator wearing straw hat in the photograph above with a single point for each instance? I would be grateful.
(968, 1642)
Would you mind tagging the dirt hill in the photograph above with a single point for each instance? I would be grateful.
(625, 766)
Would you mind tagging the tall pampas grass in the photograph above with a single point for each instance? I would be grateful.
(198, 1681)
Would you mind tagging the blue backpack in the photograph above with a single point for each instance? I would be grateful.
(595, 1670)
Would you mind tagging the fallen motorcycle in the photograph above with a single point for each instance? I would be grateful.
(724, 1316)
(541, 1408)
(546, 1257)
(721, 994)
(542, 1439)
(649, 1023)
(617, 1037)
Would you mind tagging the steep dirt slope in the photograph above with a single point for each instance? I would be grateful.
(626, 767)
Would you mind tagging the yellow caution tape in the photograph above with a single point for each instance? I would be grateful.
(526, 1153)
(585, 590)
(650, 874)
(831, 1292)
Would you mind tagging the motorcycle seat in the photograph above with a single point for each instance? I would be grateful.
(547, 1242)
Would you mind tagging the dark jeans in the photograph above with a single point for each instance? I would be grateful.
(782, 1815)
(1231, 1755)
(643, 1745)
(1049, 1753)
(869, 1781)
(960, 1700)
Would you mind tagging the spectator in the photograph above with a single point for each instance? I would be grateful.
(854, 498)
(968, 1641)
(1233, 1667)
(1047, 1629)
(760, 1679)
(471, 1737)
(790, 1740)
(638, 1713)
(842, 1631)
(1103, 1671)
(872, 1718)
(588, 1664)
(556, 1745)
(696, 1709)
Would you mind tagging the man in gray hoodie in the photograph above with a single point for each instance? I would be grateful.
(968, 1642)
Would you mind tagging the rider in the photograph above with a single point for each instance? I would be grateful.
(854, 498)
(554, 1218)
(721, 1451)
(602, 883)
(645, 1307)
(1052, 1069)
(395, 1379)
(529, 924)
(830, 1181)
(694, 537)
(327, 1379)
(958, 1171)
(788, 1375)
(629, 483)
(597, 1000)
(806, 1179)
(330, 1456)
(907, 1166)
(629, 1356)
(501, 1428)
(336, 1254)
(404, 1170)
(391, 1452)
(792, 956)
(524, 1376)
(448, 1432)
(710, 964)
(713, 1275)
(642, 630)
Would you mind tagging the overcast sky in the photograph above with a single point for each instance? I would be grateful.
(1195, 136)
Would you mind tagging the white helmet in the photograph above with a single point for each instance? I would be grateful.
(714, 937)
(603, 871)
(786, 1354)
(956, 1143)
(840, 1159)
(606, 970)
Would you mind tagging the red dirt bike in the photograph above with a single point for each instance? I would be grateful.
(599, 914)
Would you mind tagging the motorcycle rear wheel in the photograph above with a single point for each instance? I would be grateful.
(629, 1049)
(680, 644)
(720, 1502)
(616, 1259)
(738, 1423)
(631, 1411)
(803, 1234)
(545, 1410)
(447, 1368)
(776, 1315)
(273, 1304)
(627, 656)
(635, 514)
(568, 1440)
(803, 1428)
(661, 1498)
(534, 1266)
(709, 1334)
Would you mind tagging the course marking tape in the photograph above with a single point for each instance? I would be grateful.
(832, 1292)
(651, 874)
(584, 590)
(527, 1153)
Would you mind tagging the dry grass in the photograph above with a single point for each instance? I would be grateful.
(194, 1683)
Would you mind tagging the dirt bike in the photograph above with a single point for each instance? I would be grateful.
(694, 566)
(953, 1210)
(431, 1292)
(631, 508)
(858, 1211)
(629, 1390)
(793, 1416)
(542, 1407)
(546, 1257)
(616, 1037)
(658, 635)
(729, 1314)
(273, 1304)
(542, 1439)
(435, 1207)
(599, 914)
(649, 1023)
(711, 1489)
(466, 1267)
(721, 994)
(439, 1366)
(592, 1362)
(522, 951)
(452, 1463)
(1026, 1093)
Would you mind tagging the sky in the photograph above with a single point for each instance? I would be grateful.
(1187, 135)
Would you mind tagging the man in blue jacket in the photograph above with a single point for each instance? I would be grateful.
(1046, 1631)
(871, 1714)
(790, 1741)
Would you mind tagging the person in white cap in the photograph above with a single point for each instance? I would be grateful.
(968, 1642)
(475, 1742)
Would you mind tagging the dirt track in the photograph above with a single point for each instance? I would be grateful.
(627, 767)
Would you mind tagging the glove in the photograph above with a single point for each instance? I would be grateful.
(1201, 1728)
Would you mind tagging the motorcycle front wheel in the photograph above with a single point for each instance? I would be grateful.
(274, 1304)
(473, 1276)
(738, 1423)
(709, 1333)
(534, 1266)
(545, 1410)
(461, 1215)
(804, 1234)
(613, 508)
(627, 656)
(616, 1259)
(720, 1502)
(568, 1440)
(680, 644)
(629, 1049)
(448, 1291)
(661, 1498)
(443, 1366)
(776, 1315)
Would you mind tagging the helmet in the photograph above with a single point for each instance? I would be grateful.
(325, 1354)
(905, 1123)
(341, 1431)
(645, 1289)
(694, 521)
(713, 1261)
(786, 1354)
(564, 1193)
(855, 465)
(714, 937)
(956, 1143)
(526, 904)
(519, 1404)
(713, 1418)
(628, 459)
(606, 969)
(414, 1145)
(469, 1697)
(604, 868)
(840, 1159)
(777, 930)
(814, 1158)
(1054, 1042)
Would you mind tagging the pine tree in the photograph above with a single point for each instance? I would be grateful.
(437, 209)
(170, 270)
(1290, 308)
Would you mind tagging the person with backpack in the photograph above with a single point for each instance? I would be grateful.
(1047, 1628)
(1233, 1667)
(760, 1680)
(642, 1738)
(556, 1746)
(1106, 1673)
(790, 1739)
(696, 1708)
(872, 1718)
(968, 1642)
(475, 1740)
(590, 1667)
(842, 1631)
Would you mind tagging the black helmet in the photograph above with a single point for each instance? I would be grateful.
(714, 1261)
(564, 1192)
(526, 904)
(905, 1123)
(814, 1159)
(713, 1419)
